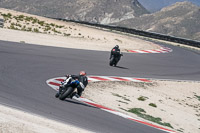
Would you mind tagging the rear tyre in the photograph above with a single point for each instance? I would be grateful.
(116, 61)
(115, 64)
(111, 61)
(66, 93)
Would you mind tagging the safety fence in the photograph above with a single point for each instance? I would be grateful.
(1, 23)
(154, 35)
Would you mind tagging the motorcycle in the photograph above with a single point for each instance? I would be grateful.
(68, 87)
(115, 58)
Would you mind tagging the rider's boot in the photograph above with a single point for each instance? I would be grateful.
(73, 94)
(77, 95)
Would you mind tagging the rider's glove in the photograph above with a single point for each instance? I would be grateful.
(67, 76)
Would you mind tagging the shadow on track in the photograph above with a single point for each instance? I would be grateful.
(121, 67)
(78, 103)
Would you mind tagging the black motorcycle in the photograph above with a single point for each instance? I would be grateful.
(115, 59)
(67, 88)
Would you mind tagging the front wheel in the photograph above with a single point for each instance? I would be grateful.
(66, 93)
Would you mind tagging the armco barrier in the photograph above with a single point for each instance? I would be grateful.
(1, 23)
(142, 33)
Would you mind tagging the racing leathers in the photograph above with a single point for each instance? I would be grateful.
(116, 53)
(83, 81)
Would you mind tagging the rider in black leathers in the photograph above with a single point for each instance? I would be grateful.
(116, 53)
(81, 78)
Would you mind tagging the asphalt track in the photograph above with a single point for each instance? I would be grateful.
(24, 69)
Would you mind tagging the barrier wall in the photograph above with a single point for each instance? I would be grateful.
(142, 33)
(1, 23)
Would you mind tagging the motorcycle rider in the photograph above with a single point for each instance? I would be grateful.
(83, 81)
(115, 52)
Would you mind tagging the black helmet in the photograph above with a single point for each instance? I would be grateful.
(116, 46)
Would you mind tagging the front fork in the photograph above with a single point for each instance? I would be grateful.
(61, 89)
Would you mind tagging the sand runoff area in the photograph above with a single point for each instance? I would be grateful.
(176, 103)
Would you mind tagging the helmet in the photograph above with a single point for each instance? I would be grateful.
(116, 46)
(83, 73)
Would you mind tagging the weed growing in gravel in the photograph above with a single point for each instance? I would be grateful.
(23, 23)
(66, 34)
(141, 113)
(118, 40)
(198, 97)
(180, 130)
(7, 16)
(142, 98)
(122, 101)
(36, 30)
(114, 94)
(126, 99)
(153, 105)
(122, 109)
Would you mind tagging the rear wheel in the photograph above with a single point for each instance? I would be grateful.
(115, 63)
(112, 61)
(66, 93)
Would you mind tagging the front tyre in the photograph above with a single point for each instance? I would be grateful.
(66, 93)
